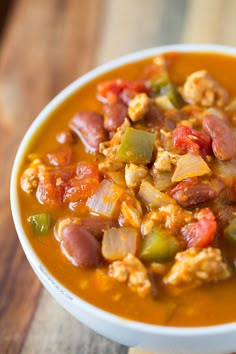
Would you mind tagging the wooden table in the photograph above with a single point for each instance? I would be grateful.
(45, 44)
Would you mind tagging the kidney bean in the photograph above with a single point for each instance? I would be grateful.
(60, 157)
(225, 215)
(223, 140)
(192, 192)
(153, 117)
(96, 225)
(114, 115)
(127, 95)
(80, 246)
(93, 224)
(66, 137)
(88, 126)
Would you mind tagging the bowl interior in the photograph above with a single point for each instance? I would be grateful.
(67, 299)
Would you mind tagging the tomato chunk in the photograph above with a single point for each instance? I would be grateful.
(70, 184)
(200, 233)
(111, 91)
(80, 188)
(60, 157)
(187, 139)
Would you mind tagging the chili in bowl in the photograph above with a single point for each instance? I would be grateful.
(123, 194)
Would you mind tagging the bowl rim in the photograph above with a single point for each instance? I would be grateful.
(14, 200)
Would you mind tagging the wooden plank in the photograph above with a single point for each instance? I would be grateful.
(5, 7)
(211, 21)
(42, 40)
(135, 25)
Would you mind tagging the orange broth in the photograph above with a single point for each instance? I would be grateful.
(207, 305)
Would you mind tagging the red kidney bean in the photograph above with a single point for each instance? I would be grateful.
(114, 115)
(60, 157)
(127, 95)
(225, 215)
(192, 192)
(66, 137)
(80, 246)
(223, 140)
(153, 117)
(93, 224)
(96, 225)
(89, 127)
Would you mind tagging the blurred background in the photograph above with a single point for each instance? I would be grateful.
(44, 45)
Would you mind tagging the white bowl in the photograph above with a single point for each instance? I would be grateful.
(213, 339)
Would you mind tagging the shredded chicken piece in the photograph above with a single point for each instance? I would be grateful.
(201, 88)
(196, 266)
(138, 106)
(29, 178)
(131, 212)
(165, 141)
(134, 175)
(132, 270)
(109, 148)
(118, 271)
(110, 165)
(171, 216)
(165, 160)
(158, 268)
(109, 151)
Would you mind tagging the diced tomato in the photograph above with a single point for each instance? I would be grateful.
(111, 91)
(187, 139)
(70, 184)
(60, 157)
(84, 184)
(80, 189)
(86, 169)
(51, 186)
(202, 232)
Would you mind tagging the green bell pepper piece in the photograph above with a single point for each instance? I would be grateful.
(230, 231)
(157, 83)
(40, 223)
(159, 246)
(162, 85)
(174, 96)
(136, 146)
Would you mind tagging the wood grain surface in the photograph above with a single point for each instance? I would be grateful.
(44, 46)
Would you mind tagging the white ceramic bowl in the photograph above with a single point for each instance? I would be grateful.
(213, 339)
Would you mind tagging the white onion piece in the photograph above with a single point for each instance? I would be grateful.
(164, 103)
(105, 200)
(162, 180)
(118, 242)
(153, 197)
(231, 106)
(190, 165)
(226, 170)
(216, 112)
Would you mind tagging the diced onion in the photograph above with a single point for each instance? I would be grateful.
(153, 197)
(226, 170)
(105, 200)
(117, 243)
(162, 180)
(164, 103)
(190, 165)
(216, 112)
(231, 106)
